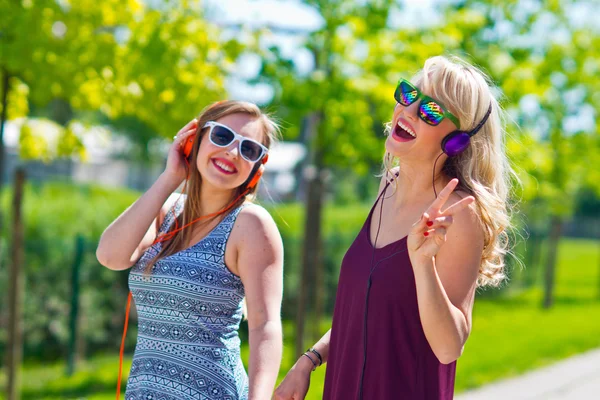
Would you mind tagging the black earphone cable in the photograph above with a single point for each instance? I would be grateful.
(433, 174)
(369, 282)
(382, 196)
(362, 375)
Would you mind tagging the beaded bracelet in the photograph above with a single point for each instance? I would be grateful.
(311, 360)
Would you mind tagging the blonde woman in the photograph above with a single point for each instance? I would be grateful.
(436, 232)
(194, 260)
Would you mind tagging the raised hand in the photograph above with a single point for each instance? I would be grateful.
(176, 165)
(428, 234)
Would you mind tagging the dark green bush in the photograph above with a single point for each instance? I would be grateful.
(55, 213)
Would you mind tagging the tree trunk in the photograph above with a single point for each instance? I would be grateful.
(556, 226)
(14, 345)
(312, 231)
(61, 111)
(319, 268)
(75, 340)
(3, 119)
(311, 257)
(532, 257)
(598, 272)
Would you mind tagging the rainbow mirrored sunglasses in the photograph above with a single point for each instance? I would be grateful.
(430, 110)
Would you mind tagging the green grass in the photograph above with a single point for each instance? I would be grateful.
(290, 217)
(513, 335)
(510, 335)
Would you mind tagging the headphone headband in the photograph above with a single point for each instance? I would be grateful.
(483, 121)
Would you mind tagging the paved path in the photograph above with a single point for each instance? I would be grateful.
(576, 378)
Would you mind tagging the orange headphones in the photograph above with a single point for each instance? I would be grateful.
(188, 146)
(259, 172)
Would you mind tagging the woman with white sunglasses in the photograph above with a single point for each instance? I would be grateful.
(196, 258)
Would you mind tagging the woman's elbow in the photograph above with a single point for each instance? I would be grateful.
(104, 258)
(268, 330)
(102, 255)
(449, 355)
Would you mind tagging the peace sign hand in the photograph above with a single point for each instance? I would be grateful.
(428, 234)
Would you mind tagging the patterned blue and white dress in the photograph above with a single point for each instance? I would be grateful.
(189, 311)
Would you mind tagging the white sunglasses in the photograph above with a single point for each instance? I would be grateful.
(222, 136)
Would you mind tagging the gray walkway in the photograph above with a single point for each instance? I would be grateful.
(577, 378)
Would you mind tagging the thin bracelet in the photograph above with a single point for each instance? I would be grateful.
(316, 353)
(311, 360)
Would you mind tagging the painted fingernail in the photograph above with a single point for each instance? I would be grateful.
(429, 223)
(426, 234)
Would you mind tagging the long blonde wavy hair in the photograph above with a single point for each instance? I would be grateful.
(192, 208)
(483, 169)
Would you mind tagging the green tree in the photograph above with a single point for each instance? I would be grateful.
(337, 118)
(56, 49)
(156, 67)
(341, 106)
(171, 66)
(546, 56)
(50, 47)
(342, 103)
(147, 69)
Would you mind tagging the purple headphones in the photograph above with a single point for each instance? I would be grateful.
(457, 141)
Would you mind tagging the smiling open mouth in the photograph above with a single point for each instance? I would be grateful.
(404, 131)
(224, 167)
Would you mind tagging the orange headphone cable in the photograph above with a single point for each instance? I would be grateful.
(123, 345)
(159, 239)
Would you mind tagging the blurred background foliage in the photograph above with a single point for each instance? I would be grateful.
(145, 68)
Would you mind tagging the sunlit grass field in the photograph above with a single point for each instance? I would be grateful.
(511, 334)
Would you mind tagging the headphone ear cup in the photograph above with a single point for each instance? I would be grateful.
(257, 175)
(188, 146)
(259, 172)
(455, 143)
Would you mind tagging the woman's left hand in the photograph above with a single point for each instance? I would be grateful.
(428, 234)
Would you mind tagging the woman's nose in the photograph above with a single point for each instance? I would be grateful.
(411, 111)
(233, 148)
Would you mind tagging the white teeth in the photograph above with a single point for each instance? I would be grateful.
(224, 166)
(407, 129)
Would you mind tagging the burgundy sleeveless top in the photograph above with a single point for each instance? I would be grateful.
(399, 362)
